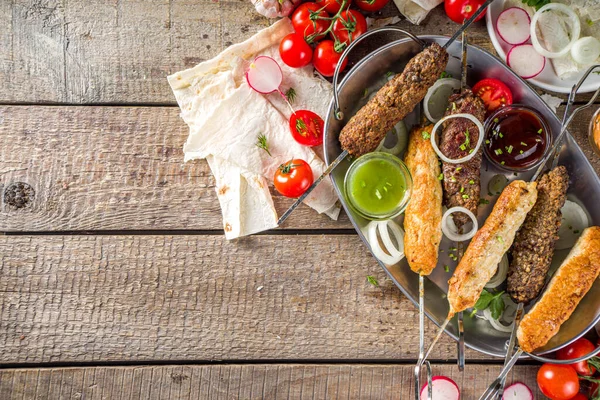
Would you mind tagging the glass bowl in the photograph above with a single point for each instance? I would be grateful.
(362, 178)
(519, 147)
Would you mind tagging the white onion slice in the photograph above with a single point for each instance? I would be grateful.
(439, 93)
(401, 140)
(451, 232)
(586, 50)
(467, 157)
(393, 254)
(574, 221)
(500, 275)
(264, 75)
(496, 324)
(574, 33)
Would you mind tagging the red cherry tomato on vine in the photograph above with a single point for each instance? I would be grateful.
(325, 58)
(333, 6)
(306, 22)
(371, 5)
(559, 382)
(350, 25)
(307, 128)
(578, 348)
(460, 10)
(294, 51)
(293, 178)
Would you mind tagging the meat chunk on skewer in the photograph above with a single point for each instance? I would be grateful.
(462, 183)
(534, 243)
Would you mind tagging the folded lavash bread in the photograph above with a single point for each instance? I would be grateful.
(225, 117)
(416, 10)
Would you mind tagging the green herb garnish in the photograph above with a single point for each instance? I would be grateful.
(290, 95)
(261, 143)
(372, 280)
(493, 301)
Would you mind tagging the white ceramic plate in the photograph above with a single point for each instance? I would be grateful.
(547, 80)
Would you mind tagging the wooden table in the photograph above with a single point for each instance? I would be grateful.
(116, 281)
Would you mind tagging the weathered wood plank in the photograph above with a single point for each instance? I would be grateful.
(121, 52)
(312, 381)
(111, 298)
(121, 168)
(103, 168)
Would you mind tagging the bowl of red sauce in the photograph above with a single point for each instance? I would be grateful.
(517, 138)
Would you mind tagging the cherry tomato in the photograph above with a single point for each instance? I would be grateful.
(578, 348)
(307, 128)
(460, 10)
(293, 178)
(559, 382)
(494, 93)
(306, 23)
(294, 51)
(371, 5)
(579, 396)
(333, 6)
(325, 58)
(350, 25)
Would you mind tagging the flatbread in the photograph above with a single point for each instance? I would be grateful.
(225, 117)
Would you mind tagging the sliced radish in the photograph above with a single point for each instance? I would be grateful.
(443, 388)
(525, 61)
(513, 25)
(517, 391)
(264, 75)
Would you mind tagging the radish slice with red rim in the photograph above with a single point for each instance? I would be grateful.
(443, 388)
(525, 61)
(472, 151)
(264, 75)
(513, 25)
(517, 391)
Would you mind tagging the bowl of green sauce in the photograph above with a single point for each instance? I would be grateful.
(378, 186)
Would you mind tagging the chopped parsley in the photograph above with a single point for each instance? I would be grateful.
(465, 196)
(426, 135)
(372, 280)
(484, 201)
(509, 149)
(523, 144)
(498, 152)
(471, 182)
(444, 74)
(441, 177)
(446, 268)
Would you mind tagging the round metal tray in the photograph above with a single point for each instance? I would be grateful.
(584, 186)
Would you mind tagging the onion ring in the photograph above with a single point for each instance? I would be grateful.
(453, 83)
(467, 157)
(401, 140)
(455, 236)
(575, 31)
(500, 275)
(395, 254)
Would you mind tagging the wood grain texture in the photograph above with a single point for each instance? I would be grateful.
(121, 168)
(113, 298)
(121, 51)
(103, 168)
(257, 381)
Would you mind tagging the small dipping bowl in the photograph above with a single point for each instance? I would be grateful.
(595, 132)
(378, 186)
(516, 138)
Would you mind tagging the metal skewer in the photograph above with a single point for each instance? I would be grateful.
(496, 389)
(339, 115)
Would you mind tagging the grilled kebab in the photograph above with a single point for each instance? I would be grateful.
(571, 282)
(480, 262)
(458, 139)
(423, 216)
(397, 98)
(534, 243)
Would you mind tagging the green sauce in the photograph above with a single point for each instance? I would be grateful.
(377, 186)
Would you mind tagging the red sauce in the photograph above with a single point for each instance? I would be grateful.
(516, 138)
